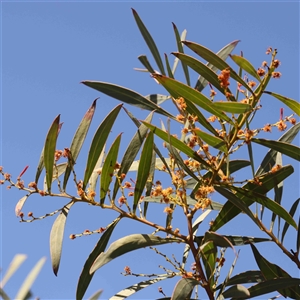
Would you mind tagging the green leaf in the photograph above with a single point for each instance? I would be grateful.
(245, 65)
(176, 143)
(20, 204)
(132, 151)
(178, 89)
(126, 96)
(201, 69)
(232, 107)
(57, 235)
(3, 294)
(229, 240)
(79, 139)
(176, 60)
(108, 168)
(223, 54)
(29, 280)
(184, 288)
(180, 49)
(292, 104)
(245, 277)
(284, 148)
(170, 73)
(125, 293)
(144, 60)
(85, 276)
(209, 255)
(236, 291)
(272, 285)
(98, 143)
(298, 238)
(193, 110)
(237, 202)
(49, 150)
(127, 244)
(158, 99)
(269, 181)
(216, 61)
(291, 212)
(250, 195)
(269, 160)
(149, 41)
(272, 271)
(12, 268)
(58, 170)
(212, 141)
(143, 170)
(96, 295)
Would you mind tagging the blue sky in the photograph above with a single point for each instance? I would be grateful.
(49, 47)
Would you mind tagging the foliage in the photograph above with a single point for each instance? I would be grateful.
(198, 163)
(24, 291)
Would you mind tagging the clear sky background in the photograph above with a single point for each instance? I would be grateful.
(48, 48)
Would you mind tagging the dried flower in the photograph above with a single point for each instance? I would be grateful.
(224, 78)
(267, 128)
(276, 74)
(292, 121)
(72, 236)
(32, 185)
(121, 200)
(281, 125)
(127, 270)
(276, 63)
(252, 84)
(212, 119)
(168, 210)
(269, 50)
(7, 176)
(261, 72)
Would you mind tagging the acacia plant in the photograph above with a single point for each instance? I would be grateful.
(199, 161)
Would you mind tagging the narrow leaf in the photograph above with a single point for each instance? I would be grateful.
(241, 205)
(212, 141)
(12, 268)
(215, 60)
(25, 288)
(272, 285)
(98, 143)
(3, 294)
(245, 65)
(96, 295)
(178, 89)
(143, 170)
(269, 160)
(245, 277)
(127, 244)
(291, 212)
(284, 148)
(126, 96)
(236, 291)
(229, 210)
(108, 168)
(232, 107)
(149, 41)
(58, 170)
(184, 288)
(201, 69)
(125, 293)
(250, 195)
(230, 240)
(20, 204)
(223, 54)
(79, 139)
(176, 143)
(158, 99)
(272, 271)
(194, 111)
(97, 168)
(209, 255)
(49, 150)
(85, 276)
(56, 237)
(170, 73)
(292, 104)
(144, 60)
(180, 49)
(132, 151)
